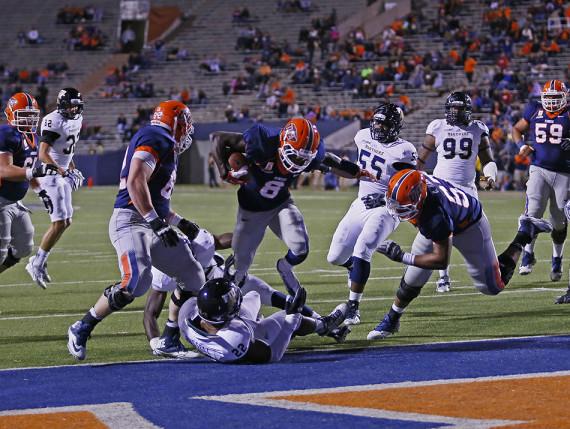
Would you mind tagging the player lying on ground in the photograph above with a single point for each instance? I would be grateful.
(60, 133)
(203, 247)
(446, 216)
(458, 141)
(368, 223)
(18, 156)
(224, 325)
(274, 158)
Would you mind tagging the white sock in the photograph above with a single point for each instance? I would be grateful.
(353, 296)
(397, 309)
(529, 248)
(444, 273)
(92, 312)
(41, 257)
(557, 250)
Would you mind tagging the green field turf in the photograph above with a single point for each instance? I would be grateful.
(33, 322)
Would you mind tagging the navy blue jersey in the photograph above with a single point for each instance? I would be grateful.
(447, 210)
(24, 154)
(268, 185)
(159, 143)
(545, 133)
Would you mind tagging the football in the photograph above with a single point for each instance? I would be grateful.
(237, 160)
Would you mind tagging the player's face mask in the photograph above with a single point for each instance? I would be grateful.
(299, 141)
(406, 193)
(26, 121)
(184, 131)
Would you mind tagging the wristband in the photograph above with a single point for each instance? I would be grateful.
(174, 219)
(29, 174)
(408, 258)
(150, 216)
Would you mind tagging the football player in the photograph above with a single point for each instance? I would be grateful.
(275, 158)
(59, 135)
(141, 227)
(222, 323)
(18, 155)
(446, 216)
(565, 299)
(204, 249)
(546, 130)
(458, 141)
(367, 223)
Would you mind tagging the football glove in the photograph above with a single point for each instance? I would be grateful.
(75, 178)
(44, 170)
(374, 200)
(48, 203)
(392, 250)
(237, 177)
(565, 144)
(165, 232)
(188, 228)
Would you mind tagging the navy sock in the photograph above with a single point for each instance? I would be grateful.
(360, 270)
(394, 315)
(89, 320)
(171, 329)
(348, 264)
(295, 259)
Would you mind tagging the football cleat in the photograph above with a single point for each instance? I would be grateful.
(47, 277)
(297, 303)
(443, 285)
(527, 263)
(556, 272)
(564, 299)
(37, 273)
(340, 334)
(533, 226)
(333, 320)
(353, 313)
(171, 347)
(77, 335)
(285, 270)
(384, 329)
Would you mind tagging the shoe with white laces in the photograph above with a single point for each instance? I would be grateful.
(36, 272)
(285, 270)
(353, 314)
(171, 347)
(443, 285)
(527, 263)
(77, 335)
(384, 329)
(333, 320)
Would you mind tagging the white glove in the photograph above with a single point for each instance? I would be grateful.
(75, 178)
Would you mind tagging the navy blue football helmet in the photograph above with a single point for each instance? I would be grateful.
(386, 123)
(219, 301)
(458, 108)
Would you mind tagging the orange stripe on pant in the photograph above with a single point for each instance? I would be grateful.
(127, 274)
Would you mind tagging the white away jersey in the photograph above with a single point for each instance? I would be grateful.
(68, 130)
(229, 343)
(379, 159)
(457, 148)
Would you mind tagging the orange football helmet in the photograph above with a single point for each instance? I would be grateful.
(406, 193)
(23, 112)
(553, 96)
(299, 140)
(176, 117)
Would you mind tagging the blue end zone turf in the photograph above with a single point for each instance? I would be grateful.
(163, 391)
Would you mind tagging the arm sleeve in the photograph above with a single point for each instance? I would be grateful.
(319, 158)
(49, 137)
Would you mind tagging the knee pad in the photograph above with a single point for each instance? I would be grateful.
(184, 296)
(118, 297)
(407, 293)
(10, 260)
(559, 235)
(360, 270)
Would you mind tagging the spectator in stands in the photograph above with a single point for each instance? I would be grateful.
(469, 68)
(230, 113)
(121, 127)
(521, 166)
(33, 36)
(21, 37)
(128, 38)
(41, 97)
